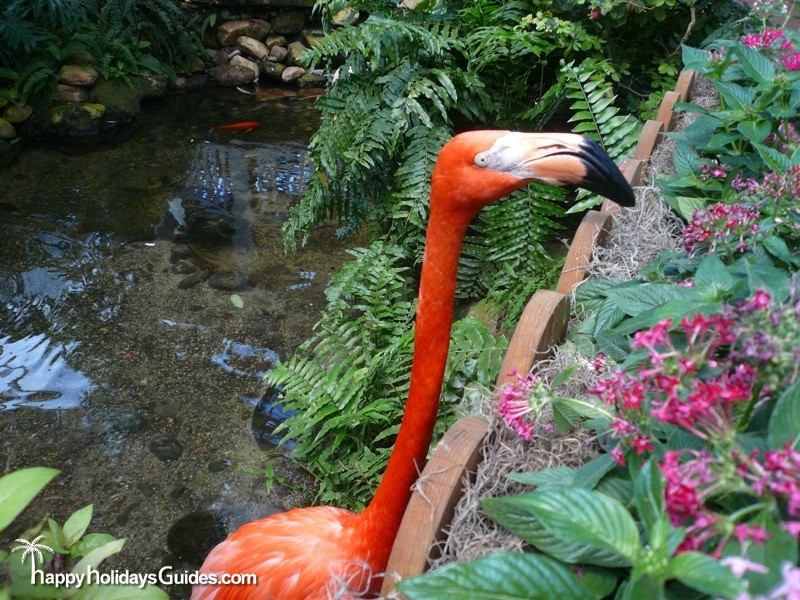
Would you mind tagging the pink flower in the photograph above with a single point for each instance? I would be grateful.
(791, 61)
(792, 528)
(618, 455)
(594, 14)
(642, 444)
(755, 533)
(739, 566)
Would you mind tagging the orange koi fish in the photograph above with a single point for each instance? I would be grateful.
(243, 126)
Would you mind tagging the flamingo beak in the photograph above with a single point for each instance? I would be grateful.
(561, 159)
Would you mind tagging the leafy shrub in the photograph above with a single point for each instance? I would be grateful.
(54, 547)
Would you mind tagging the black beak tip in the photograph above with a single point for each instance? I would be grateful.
(603, 176)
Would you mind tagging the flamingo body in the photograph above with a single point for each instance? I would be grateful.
(303, 554)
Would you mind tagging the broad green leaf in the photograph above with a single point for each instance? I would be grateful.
(76, 525)
(713, 279)
(774, 159)
(755, 131)
(735, 96)
(98, 555)
(237, 301)
(89, 542)
(687, 205)
(755, 64)
(515, 514)
(617, 487)
(21, 584)
(120, 592)
(694, 58)
(18, 488)
(591, 473)
(701, 572)
(778, 248)
(644, 586)
(552, 477)
(598, 581)
(648, 496)
(784, 425)
(504, 576)
(635, 300)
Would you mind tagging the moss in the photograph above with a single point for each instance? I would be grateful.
(122, 100)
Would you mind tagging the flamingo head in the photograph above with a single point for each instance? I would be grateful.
(478, 167)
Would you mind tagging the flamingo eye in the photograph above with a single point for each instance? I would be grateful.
(482, 159)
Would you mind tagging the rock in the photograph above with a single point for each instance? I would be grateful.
(126, 421)
(183, 267)
(309, 80)
(271, 70)
(347, 16)
(253, 47)
(279, 53)
(296, 50)
(193, 279)
(227, 282)
(193, 536)
(170, 410)
(292, 73)
(191, 82)
(312, 37)
(275, 40)
(198, 66)
(232, 30)
(241, 61)
(215, 465)
(7, 131)
(123, 101)
(223, 56)
(71, 120)
(77, 75)
(233, 75)
(70, 93)
(311, 92)
(166, 448)
(178, 252)
(289, 21)
(83, 58)
(266, 94)
(17, 113)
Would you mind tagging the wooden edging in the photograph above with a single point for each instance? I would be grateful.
(542, 326)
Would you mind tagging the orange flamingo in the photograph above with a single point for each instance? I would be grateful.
(302, 553)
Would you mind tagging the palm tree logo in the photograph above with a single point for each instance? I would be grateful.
(32, 547)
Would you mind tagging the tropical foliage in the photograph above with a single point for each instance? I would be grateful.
(124, 37)
(406, 81)
(697, 401)
(63, 552)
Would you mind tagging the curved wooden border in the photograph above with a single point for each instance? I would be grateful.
(543, 325)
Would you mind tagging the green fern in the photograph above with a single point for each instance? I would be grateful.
(597, 117)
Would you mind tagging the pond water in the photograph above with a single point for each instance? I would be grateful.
(144, 292)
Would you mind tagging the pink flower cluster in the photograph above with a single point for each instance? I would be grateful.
(721, 225)
(713, 171)
(763, 40)
(785, 140)
(777, 475)
(521, 402)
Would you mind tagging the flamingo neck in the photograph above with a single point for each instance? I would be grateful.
(381, 519)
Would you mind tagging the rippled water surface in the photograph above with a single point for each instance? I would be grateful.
(125, 361)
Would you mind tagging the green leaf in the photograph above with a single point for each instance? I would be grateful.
(755, 131)
(703, 573)
(778, 248)
(598, 581)
(644, 587)
(89, 542)
(552, 477)
(713, 279)
(784, 424)
(648, 496)
(591, 473)
(237, 301)
(735, 96)
(774, 159)
(76, 525)
(755, 64)
(98, 555)
(504, 576)
(17, 489)
(694, 58)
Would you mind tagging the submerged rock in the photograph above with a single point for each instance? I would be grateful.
(193, 536)
(227, 282)
(193, 279)
(267, 94)
(166, 448)
(309, 80)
